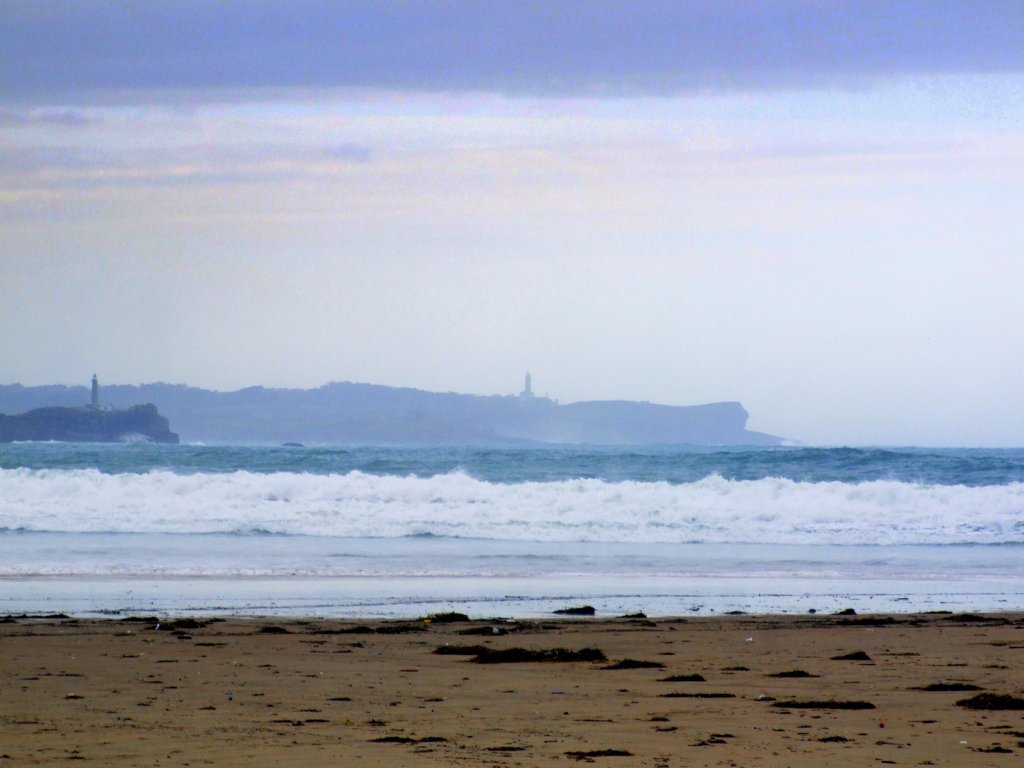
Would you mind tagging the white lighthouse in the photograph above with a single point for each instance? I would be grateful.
(95, 401)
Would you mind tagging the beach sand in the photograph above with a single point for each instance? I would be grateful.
(255, 692)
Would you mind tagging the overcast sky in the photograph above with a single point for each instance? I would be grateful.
(813, 207)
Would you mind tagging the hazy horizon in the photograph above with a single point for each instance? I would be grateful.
(789, 441)
(808, 207)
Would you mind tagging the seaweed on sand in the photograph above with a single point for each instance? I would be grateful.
(461, 650)
(950, 687)
(635, 664)
(520, 655)
(582, 610)
(823, 704)
(993, 701)
(855, 656)
(450, 617)
(579, 755)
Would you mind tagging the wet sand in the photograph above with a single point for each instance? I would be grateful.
(255, 692)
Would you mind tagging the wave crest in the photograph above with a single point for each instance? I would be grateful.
(357, 504)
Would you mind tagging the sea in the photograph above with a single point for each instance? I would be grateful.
(215, 530)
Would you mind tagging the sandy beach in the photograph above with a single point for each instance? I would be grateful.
(737, 690)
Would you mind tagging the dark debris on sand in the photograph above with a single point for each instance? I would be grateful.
(450, 617)
(582, 610)
(942, 687)
(855, 656)
(635, 664)
(461, 650)
(714, 738)
(822, 704)
(974, 618)
(520, 655)
(363, 629)
(273, 630)
(793, 673)
(408, 740)
(588, 756)
(694, 678)
(179, 624)
(993, 701)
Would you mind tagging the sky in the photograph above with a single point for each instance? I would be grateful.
(810, 207)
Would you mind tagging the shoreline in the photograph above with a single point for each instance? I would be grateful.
(375, 598)
(263, 690)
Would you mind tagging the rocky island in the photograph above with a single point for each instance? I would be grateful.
(139, 423)
(88, 424)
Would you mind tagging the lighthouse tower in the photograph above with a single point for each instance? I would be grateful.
(95, 402)
(527, 393)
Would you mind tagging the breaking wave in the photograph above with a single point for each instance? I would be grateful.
(358, 504)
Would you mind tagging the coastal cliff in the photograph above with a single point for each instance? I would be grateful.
(369, 414)
(139, 423)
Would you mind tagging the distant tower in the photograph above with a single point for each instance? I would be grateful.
(95, 404)
(527, 393)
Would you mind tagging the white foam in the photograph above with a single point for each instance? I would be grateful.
(356, 504)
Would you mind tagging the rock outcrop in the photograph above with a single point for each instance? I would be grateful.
(139, 423)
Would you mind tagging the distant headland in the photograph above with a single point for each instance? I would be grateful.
(348, 413)
(91, 423)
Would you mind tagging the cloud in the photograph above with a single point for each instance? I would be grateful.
(29, 160)
(75, 167)
(67, 118)
(348, 152)
(858, 151)
(535, 47)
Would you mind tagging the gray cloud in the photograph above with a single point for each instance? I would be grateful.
(349, 152)
(23, 160)
(571, 47)
(831, 149)
(68, 118)
(71, 167)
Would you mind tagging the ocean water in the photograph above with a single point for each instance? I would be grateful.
(95, 529)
